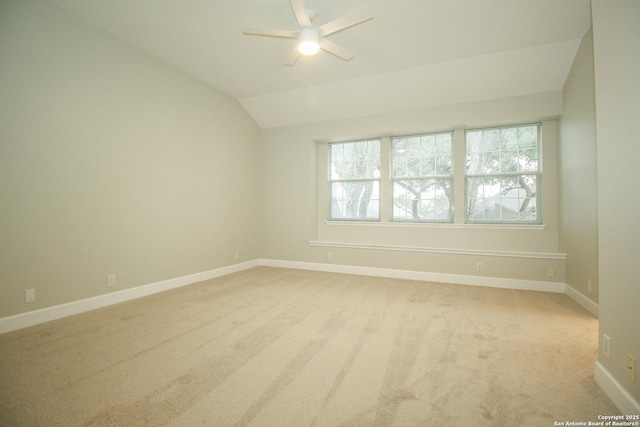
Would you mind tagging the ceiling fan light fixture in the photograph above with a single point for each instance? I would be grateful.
(308, 45)
(308, 48)
(310, 39)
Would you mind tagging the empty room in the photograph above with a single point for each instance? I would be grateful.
(319, 212)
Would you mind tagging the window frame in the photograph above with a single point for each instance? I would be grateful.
(331, 181)
(393, 179)
(538, 174)
(546, 182)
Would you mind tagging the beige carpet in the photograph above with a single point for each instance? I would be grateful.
(278, 347)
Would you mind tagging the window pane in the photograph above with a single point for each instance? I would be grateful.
(528, 160)
(354, 179)
(503, 169)
(355, 160)
(502, 198)
(495, 151)
(422, 200)
(355, 200)
(421, 156)
(421, 169)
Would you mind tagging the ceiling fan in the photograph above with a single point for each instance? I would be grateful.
(310, 39)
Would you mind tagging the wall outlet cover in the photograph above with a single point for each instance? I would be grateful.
(29, 296)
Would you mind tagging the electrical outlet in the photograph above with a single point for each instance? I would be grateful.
(237, 255)
(329, 256)
(631, 367)
(111, 280)
(479, 266)
(589, 285)
(551, 272)
(606, 345)
(29, 296)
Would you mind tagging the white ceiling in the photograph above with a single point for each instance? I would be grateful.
(412, 54)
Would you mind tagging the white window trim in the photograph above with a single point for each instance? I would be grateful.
(330, 181)
(538, 174)
(459, 191)
(392, 181)
(417, 224)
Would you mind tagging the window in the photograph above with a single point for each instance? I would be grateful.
(464, 176)
(503, 175)
(421, 177)
(354, 180)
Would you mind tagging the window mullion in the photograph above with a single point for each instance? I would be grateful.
(459, 160)
(385, 179)
(495, 175)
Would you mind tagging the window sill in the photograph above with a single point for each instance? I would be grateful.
(450, 251)
(445, 225)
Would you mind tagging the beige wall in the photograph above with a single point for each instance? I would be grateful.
(577, 177)
(616, 36)
(291, 215)
(112, 162)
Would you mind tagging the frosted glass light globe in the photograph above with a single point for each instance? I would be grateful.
(308, 45)
(308, 48)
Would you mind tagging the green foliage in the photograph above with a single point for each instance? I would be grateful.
(355, 165)
(421, 168)
(501, 166)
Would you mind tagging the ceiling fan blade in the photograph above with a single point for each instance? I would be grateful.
(293, 56)
(271, 32)
(300, 10)
(338, 51)
(344, 22)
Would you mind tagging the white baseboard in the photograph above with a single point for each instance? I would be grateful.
(612, 388)
(581, 299)
(35, 317)
(458, 279)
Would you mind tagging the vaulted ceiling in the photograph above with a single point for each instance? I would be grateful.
(412, 54)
